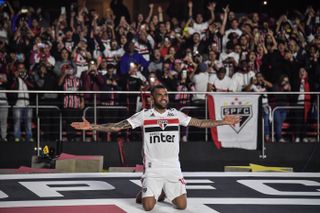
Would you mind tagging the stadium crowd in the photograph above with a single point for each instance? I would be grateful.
(213, 50)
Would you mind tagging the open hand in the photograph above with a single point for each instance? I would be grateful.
(231, 119)
(84, 125)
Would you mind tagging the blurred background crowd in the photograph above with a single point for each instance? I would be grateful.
(213, 49)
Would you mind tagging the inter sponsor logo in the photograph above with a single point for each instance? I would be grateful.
(161, 138)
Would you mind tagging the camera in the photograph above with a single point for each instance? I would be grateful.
(184, 74)
(92, 62)
(152, 79)
(41, 45)
(24, 10)
(132, 64)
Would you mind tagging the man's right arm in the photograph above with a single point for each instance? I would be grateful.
(109, 127)
(112, 127)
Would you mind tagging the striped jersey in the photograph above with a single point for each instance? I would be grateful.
(161, 136)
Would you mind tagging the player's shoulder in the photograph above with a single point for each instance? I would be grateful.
(148, 112)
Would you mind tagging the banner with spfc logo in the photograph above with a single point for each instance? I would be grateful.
(243, 135)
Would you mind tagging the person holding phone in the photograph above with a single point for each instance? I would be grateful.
(72, 103)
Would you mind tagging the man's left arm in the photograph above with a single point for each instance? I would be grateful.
(208, 123)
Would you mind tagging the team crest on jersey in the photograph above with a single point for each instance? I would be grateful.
(162, 123)
(244, 111)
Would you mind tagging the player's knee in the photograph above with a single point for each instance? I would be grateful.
(148, 203)
(180, 202)
(148, 206)
(181, 205)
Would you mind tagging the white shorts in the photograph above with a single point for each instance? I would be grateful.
(153, 186)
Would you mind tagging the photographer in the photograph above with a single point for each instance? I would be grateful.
(20, 80)
(22, 37)
(92, 80)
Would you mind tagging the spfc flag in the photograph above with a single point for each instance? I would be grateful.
(242, 135)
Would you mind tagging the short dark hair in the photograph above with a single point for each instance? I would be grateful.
(159, 86)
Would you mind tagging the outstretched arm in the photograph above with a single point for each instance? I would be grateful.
(207, 123)
(110, 127)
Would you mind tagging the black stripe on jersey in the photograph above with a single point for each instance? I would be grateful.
(158, 129)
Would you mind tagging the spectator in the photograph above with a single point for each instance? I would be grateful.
(259, 84)
(131, 56)
(4, 109)
(300, 124)
(233, 29)
(242, 78)
(200, 78)
(144, 44)
(92, 80)
(168, 79)
(73, 103)
(22, 113)
(47, 80)
(43, 54)
(280, 115)
(230, 59)
(111, 84)
(220, 82)
(81, 56)
(64, 60)
(199, 26)
(156, 63)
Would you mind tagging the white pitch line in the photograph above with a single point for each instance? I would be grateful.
(138, 175)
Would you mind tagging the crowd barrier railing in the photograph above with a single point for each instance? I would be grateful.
(95, 106)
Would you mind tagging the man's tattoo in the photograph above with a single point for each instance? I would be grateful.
(123, 124)
(204, 123)
(112, 127)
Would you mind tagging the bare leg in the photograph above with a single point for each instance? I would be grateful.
(148, 203)
(180, 202)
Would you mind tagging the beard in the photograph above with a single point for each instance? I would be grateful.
(159, 106)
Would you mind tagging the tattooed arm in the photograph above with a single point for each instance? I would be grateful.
(207, 123)
(110, 127)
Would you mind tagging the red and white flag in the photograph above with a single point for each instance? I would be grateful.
(243, 135)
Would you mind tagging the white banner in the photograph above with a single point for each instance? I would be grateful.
(243, 135)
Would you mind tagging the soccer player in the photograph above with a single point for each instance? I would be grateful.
(160, 126)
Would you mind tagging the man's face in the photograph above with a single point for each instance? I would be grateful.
(259, 78)
(160, 98)
(221, 75)
(199, 18)
(21, 68)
